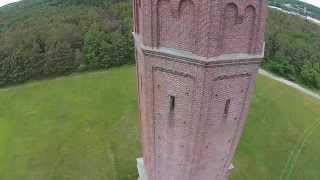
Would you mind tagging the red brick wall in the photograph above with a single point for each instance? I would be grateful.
(205, 55)
(198, 140)
(176, 30)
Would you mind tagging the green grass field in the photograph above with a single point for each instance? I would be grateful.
(85, 127)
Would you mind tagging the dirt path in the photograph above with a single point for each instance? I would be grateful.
(289, 83)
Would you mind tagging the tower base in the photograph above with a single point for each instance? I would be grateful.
(141, 169)
(143, 173)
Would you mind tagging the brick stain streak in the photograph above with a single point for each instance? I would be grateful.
(197, 62)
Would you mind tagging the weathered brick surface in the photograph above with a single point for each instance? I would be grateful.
(196, 65)
(204, 27)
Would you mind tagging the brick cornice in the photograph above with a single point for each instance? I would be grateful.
(188, 57)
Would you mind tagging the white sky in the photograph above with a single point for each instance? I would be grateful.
(4, 2)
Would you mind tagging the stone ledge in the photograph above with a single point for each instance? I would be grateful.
(175, 54)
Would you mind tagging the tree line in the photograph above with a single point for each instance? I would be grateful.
(49, 38)
(292, 48)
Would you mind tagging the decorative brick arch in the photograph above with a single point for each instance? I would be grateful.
(176, 25)
(250, 17)
(240, 25)
(138, 15)
(238, 29)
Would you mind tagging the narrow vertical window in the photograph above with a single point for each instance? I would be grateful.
(171, 111)
(140, 82)
(137, 15)
(172, 103)
(227, 107)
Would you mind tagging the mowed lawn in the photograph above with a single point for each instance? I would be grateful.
(85, 127)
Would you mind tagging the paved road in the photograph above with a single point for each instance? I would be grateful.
(316, 21)
(289, 83)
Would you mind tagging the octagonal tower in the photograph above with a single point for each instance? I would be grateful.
(197, 62)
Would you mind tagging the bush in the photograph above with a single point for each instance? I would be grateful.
(311, 74)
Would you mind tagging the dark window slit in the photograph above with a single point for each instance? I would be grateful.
(172, 103)
(227, 107)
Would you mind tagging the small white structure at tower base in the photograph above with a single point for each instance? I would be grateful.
(141, 169)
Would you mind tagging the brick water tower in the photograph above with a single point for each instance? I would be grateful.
(197, 62)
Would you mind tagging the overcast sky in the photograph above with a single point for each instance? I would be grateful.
(314, 2)
(4, 2)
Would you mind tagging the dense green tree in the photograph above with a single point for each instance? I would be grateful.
(292, 48)
(47, 38)
(310, 73)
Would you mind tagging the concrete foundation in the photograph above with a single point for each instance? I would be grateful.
(143, 173)
(141, 169)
